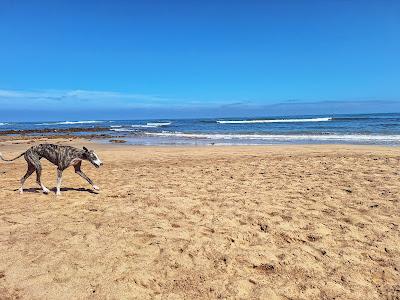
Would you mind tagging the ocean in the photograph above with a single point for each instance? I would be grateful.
(377, 129)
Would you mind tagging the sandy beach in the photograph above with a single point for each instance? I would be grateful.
(240, 222)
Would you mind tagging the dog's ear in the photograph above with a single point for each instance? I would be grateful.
(86, 149)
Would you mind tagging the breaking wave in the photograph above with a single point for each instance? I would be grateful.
(273, 121)
(70, 122)
(123, 129)
(151, 125)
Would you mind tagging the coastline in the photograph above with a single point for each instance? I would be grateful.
(359, 129)
(105, 140)
(115, 140)
(276, 222)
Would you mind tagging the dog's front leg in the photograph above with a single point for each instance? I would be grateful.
(83, 175)
(59, 178)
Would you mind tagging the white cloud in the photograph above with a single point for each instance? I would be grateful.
(68, 98)
(86, 99)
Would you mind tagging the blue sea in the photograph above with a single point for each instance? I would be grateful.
(378, 129)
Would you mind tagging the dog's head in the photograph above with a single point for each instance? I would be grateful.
(92, 157)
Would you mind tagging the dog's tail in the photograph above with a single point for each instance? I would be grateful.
(2, 158)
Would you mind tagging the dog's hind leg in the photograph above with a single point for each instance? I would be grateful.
(59, 179)
(38, 167)
(29, 172)
(83, 175)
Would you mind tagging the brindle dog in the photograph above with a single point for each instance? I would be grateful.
(62, 157)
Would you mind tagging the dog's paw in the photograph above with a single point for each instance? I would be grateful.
(46, 190)
(21, 190)
(58, 193)
(96, 188)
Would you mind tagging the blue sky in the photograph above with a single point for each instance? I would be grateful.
(164, 59)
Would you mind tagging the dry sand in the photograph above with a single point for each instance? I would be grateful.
(293, 222)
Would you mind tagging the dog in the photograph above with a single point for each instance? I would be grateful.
(61, 156)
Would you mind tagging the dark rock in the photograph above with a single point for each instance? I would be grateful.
(313, 238)
(264, 227)
(266, 268)
(117, 141)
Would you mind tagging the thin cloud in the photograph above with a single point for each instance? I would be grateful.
(70, 97)
(337, 102)
(75, 94)
(89, 101)
(102, 99)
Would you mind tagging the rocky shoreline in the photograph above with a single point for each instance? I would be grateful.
(51, 133)
(53, 130)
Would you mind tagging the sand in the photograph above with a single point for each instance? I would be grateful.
(268, 222)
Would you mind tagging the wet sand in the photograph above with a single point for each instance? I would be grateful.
(261, 222)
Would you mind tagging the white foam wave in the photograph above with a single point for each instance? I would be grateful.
(3, 124)
(143, 126)
(70, 122)
(158, 124)
(122, 129)
(151, 125)
(273, 121)
(116, 126)
(271, 137)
